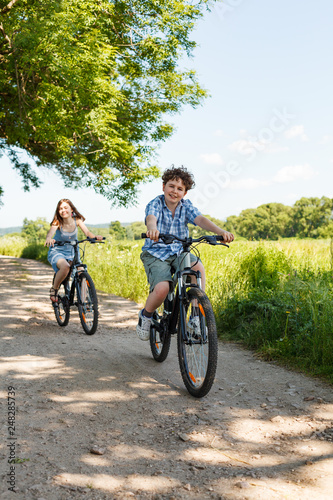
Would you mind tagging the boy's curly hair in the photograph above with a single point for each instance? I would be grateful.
(175, 173)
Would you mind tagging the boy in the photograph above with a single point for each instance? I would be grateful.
(169, 213)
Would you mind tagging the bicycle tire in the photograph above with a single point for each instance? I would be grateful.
(61, 308)
(87, 304)
(160, 341)
(197, 354)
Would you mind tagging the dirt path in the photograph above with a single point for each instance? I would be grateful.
(262, 433)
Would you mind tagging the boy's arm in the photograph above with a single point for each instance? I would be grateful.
(152, 231)
(208, 225)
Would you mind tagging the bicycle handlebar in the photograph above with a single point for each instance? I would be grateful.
(211, 240)
(76, 242)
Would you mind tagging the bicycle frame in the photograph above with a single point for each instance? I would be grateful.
(188, 308)
(74, 273)
(177, 297)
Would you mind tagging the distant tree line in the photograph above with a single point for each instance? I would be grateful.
(307, 218)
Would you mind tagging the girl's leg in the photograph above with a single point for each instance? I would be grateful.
(157, 296)
(64, 268)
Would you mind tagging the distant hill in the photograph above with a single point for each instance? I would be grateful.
(95, 226)
(108, 225)
(6, 230)
(18, 229)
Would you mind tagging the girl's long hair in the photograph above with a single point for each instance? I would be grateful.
(58, 220)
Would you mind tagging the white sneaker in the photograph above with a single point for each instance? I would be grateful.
(193, 327)
(143, 327)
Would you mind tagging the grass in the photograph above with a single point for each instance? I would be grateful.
(274, 297)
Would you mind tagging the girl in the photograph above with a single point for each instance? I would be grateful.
(64, 226)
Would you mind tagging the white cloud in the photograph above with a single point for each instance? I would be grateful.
(251, 146)
(243, 146)
(296, 131)
(274, 148)
(293, 173)
(326, 139)
(212, 159)
(249, 183)
(219, 133)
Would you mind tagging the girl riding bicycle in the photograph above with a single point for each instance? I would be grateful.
(169, 213)
(64, 227)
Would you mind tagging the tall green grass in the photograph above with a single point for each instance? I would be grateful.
(274, 297)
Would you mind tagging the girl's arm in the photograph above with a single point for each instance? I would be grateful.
(208, 225)
(86, 231)
(49, 237)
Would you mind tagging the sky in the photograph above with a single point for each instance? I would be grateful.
(264, 135)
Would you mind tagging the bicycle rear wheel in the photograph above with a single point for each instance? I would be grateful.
(61, 308)
(87, 303)
(197, 345)
(160, 339)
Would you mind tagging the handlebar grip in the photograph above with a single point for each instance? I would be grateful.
(143, 235)
(95, 240)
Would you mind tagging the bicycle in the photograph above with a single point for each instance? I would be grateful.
(187, 312)
(78, 280)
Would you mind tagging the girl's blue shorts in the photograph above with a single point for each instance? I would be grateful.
(55, 253)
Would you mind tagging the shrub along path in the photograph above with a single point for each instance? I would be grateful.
(263, 432)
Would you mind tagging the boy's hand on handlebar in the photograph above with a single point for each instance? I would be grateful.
(153, 234)
(227, 237)
(99, 237)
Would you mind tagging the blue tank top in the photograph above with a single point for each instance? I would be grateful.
(61, 235)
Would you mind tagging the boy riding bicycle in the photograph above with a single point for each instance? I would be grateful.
(169, 213)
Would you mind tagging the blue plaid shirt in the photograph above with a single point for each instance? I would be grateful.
(185, 213)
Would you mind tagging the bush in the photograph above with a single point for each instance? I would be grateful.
(37, 252)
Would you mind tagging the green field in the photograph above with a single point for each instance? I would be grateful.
(274, 297)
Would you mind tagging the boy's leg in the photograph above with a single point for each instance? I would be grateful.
(199, 267)
(157, 296)
(158, 275)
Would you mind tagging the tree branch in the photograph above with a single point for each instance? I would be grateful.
(6, 37)
(8, 7)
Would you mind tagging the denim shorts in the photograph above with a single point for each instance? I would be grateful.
(158, 270)
(56, 253)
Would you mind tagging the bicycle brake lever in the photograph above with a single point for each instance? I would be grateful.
(167, 240)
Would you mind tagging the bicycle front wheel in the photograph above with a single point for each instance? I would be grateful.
(61, 308)
(160, 337)
(197, 343)
(87, 303)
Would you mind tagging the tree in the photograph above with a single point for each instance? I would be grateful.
(313, 217)
(137, 228)
(269, 221)
(85, 86)
(117, 230)
(35, 230)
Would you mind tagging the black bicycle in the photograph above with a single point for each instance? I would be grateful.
(187, 312)
(78, 290)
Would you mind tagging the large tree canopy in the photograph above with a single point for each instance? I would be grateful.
(85, 87)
